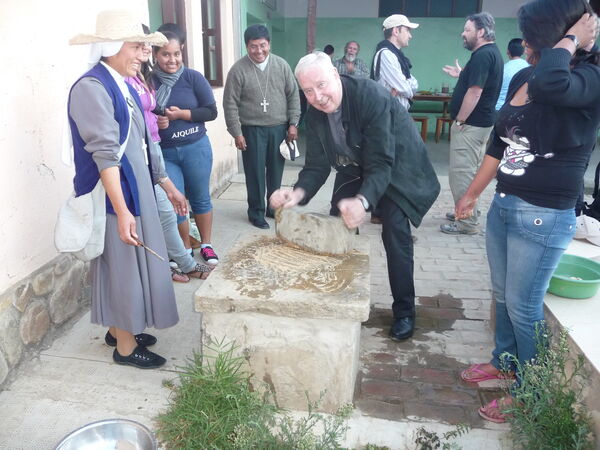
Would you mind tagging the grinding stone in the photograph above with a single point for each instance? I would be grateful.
(314, 232)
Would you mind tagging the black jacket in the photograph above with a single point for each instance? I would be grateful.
(391, 154)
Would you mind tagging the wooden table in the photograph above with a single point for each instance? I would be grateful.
(435, 98)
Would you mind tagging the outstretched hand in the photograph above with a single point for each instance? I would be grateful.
(453, 71)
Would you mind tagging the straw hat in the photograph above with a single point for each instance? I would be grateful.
(118, 25)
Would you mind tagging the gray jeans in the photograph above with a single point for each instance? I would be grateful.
(467, 149)
(168, 220)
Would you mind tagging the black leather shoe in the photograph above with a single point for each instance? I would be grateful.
(270, 214)
(260, 223)
(143, 339)
(141, 358)
(402, 328)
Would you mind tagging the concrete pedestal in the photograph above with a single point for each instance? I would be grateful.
(294, 315)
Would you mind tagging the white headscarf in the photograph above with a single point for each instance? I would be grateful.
(102, 50)
(97, 50)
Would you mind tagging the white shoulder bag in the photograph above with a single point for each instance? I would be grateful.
(81, 223)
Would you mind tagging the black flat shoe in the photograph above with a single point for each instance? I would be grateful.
(260, 223)
(141, 358)
(402, 328)
(143, 339)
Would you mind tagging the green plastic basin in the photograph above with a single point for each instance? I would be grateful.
(575, 277)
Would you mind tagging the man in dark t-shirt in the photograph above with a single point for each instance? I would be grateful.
(473, 111)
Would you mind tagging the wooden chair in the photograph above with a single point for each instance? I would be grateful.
(423, 121)
(439, 126)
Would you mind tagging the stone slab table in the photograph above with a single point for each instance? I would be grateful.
(294, 315)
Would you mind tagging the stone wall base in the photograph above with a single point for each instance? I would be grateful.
(36, 308)
(295, 357)
(591, 393)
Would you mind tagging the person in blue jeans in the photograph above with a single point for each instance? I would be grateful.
(540, 146)
(185, 102)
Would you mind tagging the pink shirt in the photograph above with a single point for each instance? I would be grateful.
(148, 105)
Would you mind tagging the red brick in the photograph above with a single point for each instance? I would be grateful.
(379, 409)
(450, 302)
(428, 301)
(440, 313)
(450, 396)
(383, 357)
(426, 375)
(387, 390)
(382, 371)
(448, 414)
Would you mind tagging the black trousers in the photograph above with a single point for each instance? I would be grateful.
(262, 161)
(397, 241)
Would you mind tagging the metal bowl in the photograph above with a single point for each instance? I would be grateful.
(111, 434)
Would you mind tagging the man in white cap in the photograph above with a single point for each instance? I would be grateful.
(391, 68)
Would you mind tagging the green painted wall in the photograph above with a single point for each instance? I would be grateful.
(435, 43)
(254, 12)
(155, 12)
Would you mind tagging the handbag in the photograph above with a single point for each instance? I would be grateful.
(289, 150)
(81, 224)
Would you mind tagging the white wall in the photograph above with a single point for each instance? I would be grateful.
(224, 151)
(38, 68)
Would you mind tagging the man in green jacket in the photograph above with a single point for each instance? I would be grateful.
(356, 126)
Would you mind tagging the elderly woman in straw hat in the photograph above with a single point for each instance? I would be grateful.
(131, 279)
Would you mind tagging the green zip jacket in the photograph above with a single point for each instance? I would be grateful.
(390, 153)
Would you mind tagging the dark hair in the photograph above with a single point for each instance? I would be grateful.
(175, 29)
(515, 47)
(254, 32)
(387, 33)
(545, 22)
(146, 69)
(328, 49)
(170, 37)
(484, 21)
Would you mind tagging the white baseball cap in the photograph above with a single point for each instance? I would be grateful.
(588, 228)
(397, 20)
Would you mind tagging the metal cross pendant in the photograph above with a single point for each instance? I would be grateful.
(264, 104)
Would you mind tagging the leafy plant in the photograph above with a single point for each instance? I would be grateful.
(547, 410)
(430, 440)
(214, 406)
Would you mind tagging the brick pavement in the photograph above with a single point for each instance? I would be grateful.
(419, 379)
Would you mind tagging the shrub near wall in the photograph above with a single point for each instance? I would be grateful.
(37, 306)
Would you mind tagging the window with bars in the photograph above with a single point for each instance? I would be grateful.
(429, 8)
(211, 36)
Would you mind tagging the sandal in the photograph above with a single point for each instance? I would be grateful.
(493, 411)
(201, 271)
(482, 375)
(178, 276)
